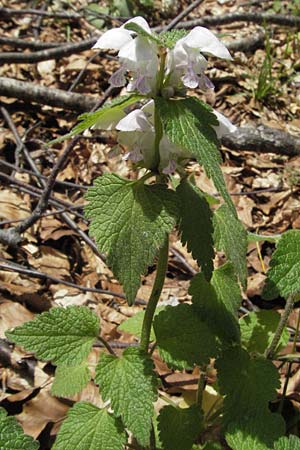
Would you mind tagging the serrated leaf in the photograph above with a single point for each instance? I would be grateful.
(61, 335)
(183, 339)
(195, 225)
(90, 428)
(133, 325)
(231, 237)
(248, 385)
(111, 111)
(169, 38)
(288, 443)
(179, 427)
(130, 222)
(188, 124)
(258, 329)
(218, 301)
(12, 436)
(283, 277)
(255, 432)
(130, 384)
(69, 380)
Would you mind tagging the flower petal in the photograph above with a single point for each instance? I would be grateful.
(204, 40)
(139, 50)
(115, 39)
(139, 21)
(225, 126)
(134, 121)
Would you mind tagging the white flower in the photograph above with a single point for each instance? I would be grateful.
(186, 62)
(224, 127)
(137, 55)
(136, 131)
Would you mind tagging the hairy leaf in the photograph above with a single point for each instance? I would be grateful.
(90, 428)
(169, 38)
(195, 225)
(130, 221)
(178, 427)
(231, 237)
(248, 385)
(61, 335)
(69, 380)
(284, 273)
(188, 124)
(288, 443)
(258, 329)
(12, 436)
(218, 301)
(183, 339)
(130, 384)
(102, 118)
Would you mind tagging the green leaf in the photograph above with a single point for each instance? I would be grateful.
(61, 335)
(188, 124)
(284, 273)
(196, 225)
(212, 446)
(183, 339)
(258, 329)
(140, 31)
(288, 443)
(69, 380)
(178, 427)
(12, 436)
(90, 428)
(102, 118)
(133, 325)
(130, 384)
(231, 237)
(248, 385)
(218, 301)
(130, 221)
(169, 38)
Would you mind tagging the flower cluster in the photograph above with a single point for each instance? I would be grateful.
(185, 62)
(183, 65)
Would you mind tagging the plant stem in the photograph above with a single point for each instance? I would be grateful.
(270, 352)
(155, 294)
(201, 386)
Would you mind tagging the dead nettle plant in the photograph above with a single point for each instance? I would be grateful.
(160, 127)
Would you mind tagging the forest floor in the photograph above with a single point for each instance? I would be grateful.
(56, 264)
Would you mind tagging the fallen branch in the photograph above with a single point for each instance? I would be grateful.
(31, 92)
(263, 139)
(47, 54)
(22, 43)
(9, 12)
(225, 19)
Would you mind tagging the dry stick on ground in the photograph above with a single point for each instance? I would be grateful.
(31, 92)
(50, 53)
(12, 236)
(7, 265)
(22, 43)
(64, 215)
(182, 15)
(225, 19)
(8, 12)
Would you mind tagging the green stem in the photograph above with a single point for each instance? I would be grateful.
(271, 350)
(155, 294)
